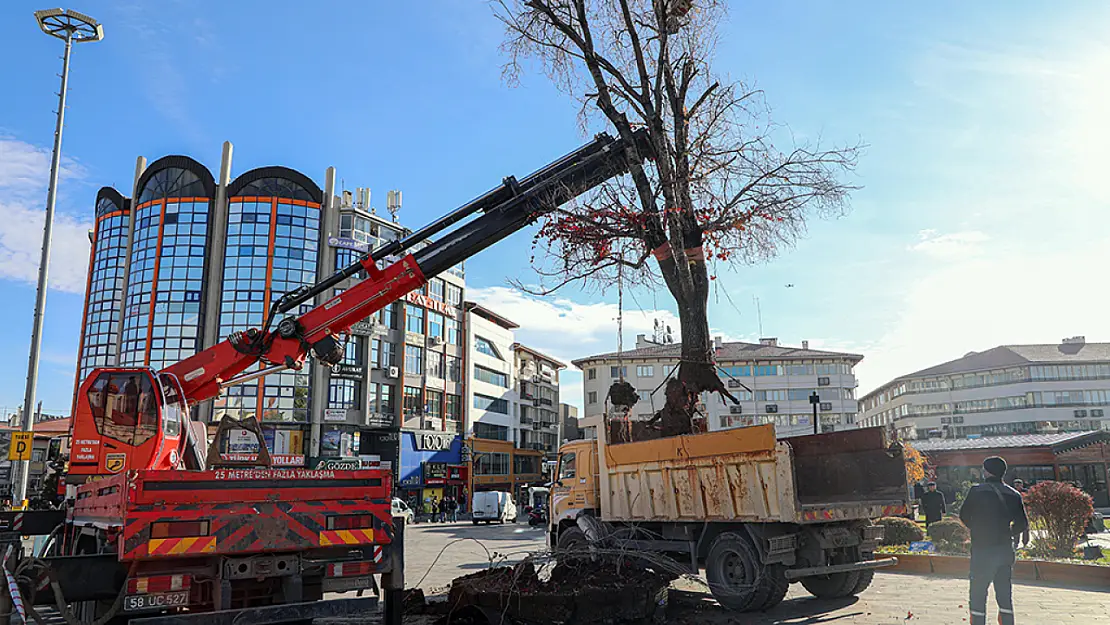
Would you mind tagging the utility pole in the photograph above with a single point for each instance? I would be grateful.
(71, 27)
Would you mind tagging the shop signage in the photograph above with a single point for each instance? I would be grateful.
(348, 244)
(454, 472)
(337, 464)
(343, 370)
(367, 328)
(435, 473)
(335, 414)
(277, 460)
(410, 481)
(433, 441)
(423, 300)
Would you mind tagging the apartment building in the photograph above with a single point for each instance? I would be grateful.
(537, 378)
(772, 383)
(1005, 390)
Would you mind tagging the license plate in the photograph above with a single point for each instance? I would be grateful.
(344, 584)
(135, 603)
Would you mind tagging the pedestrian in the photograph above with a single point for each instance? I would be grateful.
(453, 509)
(995, 515)
(932, 504)
(443, 510)
(430, 509)
(1019, 485)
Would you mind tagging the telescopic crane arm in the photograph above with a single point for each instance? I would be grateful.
(505, 210)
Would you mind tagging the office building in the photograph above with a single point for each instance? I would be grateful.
(191, 257)
(1009, 389)
(771, 382)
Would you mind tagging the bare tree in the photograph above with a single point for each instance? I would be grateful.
(714, 188)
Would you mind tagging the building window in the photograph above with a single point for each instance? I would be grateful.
(491, 432)
(454, 368)
(386, 398)
(435, 324)
(526, 465)
(489, 376)
(414, 319)
(414, 360)
(454, 408)
(763, 370)
(436, 366)
(454, 295)
(451, 331)
(486, 346)
(388, 355)
(492, 404)
(618, 372)
(344, 394)
(389, 316)
(591, 397)
(645, 396)
(591, 374)
(491, 463)
(435, 289)
(433, 404)
(413, 404)
(645, 371)
(352, 352)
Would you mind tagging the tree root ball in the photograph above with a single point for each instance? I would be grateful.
(623, 394)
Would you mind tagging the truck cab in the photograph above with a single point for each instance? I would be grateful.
(575, 489)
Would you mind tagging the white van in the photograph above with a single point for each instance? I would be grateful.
(493, 506)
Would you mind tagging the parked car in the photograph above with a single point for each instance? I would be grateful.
(402, 510)
(493, 506)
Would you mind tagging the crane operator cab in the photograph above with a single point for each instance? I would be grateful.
(127, 419)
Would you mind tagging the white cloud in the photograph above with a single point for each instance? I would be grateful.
(24, 174)
(949, 246)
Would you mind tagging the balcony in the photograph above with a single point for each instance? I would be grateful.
(546, 401)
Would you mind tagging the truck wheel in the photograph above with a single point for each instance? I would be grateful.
(832, 586)
(776, 585)
(572, 539)
(865, 579)
(734, 573)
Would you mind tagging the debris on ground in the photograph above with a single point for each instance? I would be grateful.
(576, 590)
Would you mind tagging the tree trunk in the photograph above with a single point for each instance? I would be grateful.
(697, 371)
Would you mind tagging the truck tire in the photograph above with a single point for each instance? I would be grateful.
(572, 539)
(865, 579)
(737, 579)
(777, 587)
(832, 586)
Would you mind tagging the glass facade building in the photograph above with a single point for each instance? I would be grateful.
(105, 283)
(271, 247)
(163, 309)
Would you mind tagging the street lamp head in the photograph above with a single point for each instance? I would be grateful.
(68, 24)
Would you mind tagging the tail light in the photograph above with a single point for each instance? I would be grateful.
(158, 584)
(350, 521)
(350, 569)
(179, 529)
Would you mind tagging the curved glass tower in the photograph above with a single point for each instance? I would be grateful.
(105, 282)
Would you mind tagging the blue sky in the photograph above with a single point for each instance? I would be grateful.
(982, 219)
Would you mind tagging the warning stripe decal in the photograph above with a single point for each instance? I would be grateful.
(346, 537)
(181, 546)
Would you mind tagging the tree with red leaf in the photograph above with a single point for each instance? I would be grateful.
(1062, 510)
(714, 190)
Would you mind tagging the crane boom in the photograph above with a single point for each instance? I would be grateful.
(111, 406)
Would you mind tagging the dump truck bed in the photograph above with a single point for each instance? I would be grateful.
(746, 475)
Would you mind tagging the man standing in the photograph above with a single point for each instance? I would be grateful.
(932, 504)
(453, 509)
(995, 514)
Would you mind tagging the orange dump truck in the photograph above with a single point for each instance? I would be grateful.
(754, 513)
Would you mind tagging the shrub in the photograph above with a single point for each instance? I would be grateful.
(949, 535)
(1062, 510)
(900, 531)
(960, 496)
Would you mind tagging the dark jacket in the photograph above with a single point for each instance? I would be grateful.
(932, 504)
(994, 513)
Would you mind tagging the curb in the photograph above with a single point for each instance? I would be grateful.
(1064, 573)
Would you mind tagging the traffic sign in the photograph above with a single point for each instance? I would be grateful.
(21, 446)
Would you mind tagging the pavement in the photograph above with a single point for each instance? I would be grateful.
(437, 553)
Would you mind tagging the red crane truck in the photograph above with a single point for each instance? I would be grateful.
(162, 531)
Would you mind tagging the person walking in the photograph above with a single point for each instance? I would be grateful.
(453, 509)
(995, 515)
(932, 504)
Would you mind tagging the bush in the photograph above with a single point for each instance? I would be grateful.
(949, 535)
(1062, 510)
(900, 531)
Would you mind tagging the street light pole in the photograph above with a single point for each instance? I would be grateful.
(72, 27)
